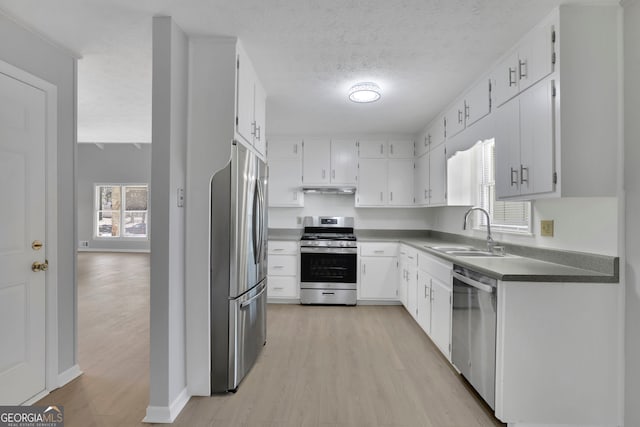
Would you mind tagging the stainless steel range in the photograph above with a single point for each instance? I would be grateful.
(328, 261)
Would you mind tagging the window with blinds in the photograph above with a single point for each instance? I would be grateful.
(512, 217)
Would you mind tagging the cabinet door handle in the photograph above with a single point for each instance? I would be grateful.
(333, 173)
(324, 173)
(381, 148)
(381, 196)
(278, 249)
(364, 269)
(253, 128)
(295, 196)
(512, 72)
(514, 181)
(391, 149)
(258, 133)
(378, 252)
(459, 116)
(425, 195)
(391, 196)
(522, 178)
(278, 267)
(425, 291)
(426, 141)
(523, 69)
(295, 148)
(466, 111)
(278, 288)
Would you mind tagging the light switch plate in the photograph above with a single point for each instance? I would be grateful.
(546, 227)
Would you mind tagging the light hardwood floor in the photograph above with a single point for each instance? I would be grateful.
(322, 366)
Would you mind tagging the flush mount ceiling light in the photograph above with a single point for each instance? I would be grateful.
(364, 92)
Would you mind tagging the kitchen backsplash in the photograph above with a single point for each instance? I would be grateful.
(342, 205)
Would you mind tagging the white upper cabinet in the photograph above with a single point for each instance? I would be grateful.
(329, 162)
(344, 162)
(260, 118)
(285, 173)
(532, 60)
(372, 182)
(368, 149)
(250, 103)
(316, 164)
(437, 132)
(422, 143)
(438, 175)
(401, 149)
(421, 180)
(454, 119)
(400, 182)
(477, 102)
(525, 143)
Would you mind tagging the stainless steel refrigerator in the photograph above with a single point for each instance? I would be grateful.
(238, 264)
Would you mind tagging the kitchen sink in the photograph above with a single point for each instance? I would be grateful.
(465, 251)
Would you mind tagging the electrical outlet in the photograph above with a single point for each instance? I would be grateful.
(546, 227)
(84, 243)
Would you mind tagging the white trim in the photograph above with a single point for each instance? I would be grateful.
(73, 54)
(167, 414)
(69, 375)
(51, 242)
(35, 398)
(378, 302)
(145, 251)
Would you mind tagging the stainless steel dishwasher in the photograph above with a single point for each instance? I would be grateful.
(473, 342)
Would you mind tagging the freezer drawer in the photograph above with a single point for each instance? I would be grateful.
(247, 332)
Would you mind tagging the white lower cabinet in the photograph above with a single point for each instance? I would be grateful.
(378, 272)
(441, 296)
(434, 300)
(407, 282)
(282, 270)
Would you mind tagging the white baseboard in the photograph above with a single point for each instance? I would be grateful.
(167, 414)
(69, 375)
(35, 398)
(283, 300)
(144, 251)
(378, 302)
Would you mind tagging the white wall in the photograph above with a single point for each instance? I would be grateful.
(112, 164)
(580, 224)
(168, 173)
(26, 50)
(342, 205)
(632, 226)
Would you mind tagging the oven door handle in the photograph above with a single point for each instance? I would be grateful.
(469, 281)
(318, 250)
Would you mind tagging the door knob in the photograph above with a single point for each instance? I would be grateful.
(40, 266)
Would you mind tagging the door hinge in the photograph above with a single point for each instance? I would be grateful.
(553, 35)
(555, 177)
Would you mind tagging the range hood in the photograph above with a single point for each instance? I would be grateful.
(329, 190)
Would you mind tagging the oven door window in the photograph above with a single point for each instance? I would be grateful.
(328, 268)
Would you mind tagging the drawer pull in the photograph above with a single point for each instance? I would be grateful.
(278, 250)
(278, 288)
(378, 252)
(278, 266)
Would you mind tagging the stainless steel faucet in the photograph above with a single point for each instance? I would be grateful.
(490, 242)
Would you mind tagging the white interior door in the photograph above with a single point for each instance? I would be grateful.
(22, 291)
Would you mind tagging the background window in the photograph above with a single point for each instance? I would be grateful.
(512, 217)
(122, 211)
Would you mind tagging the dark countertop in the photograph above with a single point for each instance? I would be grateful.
(522, 263)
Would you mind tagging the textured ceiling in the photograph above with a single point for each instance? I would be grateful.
(306, 52)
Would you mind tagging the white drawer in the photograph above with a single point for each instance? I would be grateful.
(283, 265)
(436, 267)
(378, 249)
(408, 255)
(282, 247)
(282, 287)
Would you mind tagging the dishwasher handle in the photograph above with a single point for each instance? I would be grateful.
(469, 281)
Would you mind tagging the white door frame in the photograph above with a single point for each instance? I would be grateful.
(51, 194)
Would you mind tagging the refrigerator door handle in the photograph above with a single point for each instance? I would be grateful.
(256, 222)
(250, 301)
(262, 210)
